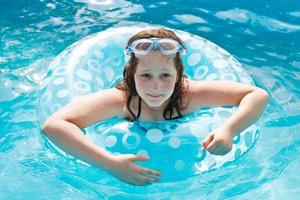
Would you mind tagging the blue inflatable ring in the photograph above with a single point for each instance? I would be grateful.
(97, 62)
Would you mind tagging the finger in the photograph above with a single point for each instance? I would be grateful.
(136, 182)
(139, 158)
(207, 141)
(211, 147)
(149, 171)
(149, 179)
(139, 182)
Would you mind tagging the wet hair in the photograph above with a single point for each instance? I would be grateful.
(128, 83)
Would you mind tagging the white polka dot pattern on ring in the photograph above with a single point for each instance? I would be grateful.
(174, 142)
(55, 107)
(59, 81)
(228, 77)
(93, 65)
(62, 93)
(99, 54)
(110, 140)
(46, 97)
(84, 74)
(196, 44)
(143, 152)
(82, 86)
(201, 72)
(212, 77)
(194, 59)
(220, 63)
(154, 135)
(131, 140)
(60, 71)
(109, 73)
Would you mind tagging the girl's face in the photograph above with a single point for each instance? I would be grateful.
(155, 79)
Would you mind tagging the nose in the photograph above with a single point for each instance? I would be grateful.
(155, 84)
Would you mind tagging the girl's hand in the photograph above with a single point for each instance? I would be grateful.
(219, 141)
(123, 168)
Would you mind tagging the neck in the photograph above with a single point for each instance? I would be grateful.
(158, 110)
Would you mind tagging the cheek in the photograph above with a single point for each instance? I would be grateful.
(141, 85)
(169, 84)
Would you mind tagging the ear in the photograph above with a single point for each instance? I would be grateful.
(177, 76)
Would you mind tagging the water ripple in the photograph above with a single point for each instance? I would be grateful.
(245, 16)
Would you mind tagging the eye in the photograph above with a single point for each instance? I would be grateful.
(165, 75)
(146, 75)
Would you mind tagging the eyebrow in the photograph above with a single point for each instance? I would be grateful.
(147, 70)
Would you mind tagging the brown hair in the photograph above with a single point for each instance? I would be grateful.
(128, 84)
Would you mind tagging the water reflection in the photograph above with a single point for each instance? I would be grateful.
(113, 10)
(245, 16)
(190, 19)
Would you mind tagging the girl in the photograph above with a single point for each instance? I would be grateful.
(153, 88)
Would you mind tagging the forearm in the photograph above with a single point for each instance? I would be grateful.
(69, 138)
(250, 109)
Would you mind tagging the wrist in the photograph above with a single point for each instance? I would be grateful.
(230, 129)
(112, 163)
(107, 162)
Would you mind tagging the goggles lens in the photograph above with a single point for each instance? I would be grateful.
(165, 45)
(143, 46)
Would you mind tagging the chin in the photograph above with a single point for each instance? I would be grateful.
(155, 105)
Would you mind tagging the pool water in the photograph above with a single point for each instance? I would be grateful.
(264, 37)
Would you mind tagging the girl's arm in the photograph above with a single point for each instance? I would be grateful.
(251, 102)
(64, 129)
(249, 110)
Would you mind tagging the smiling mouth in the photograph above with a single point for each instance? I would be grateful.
(154, 96)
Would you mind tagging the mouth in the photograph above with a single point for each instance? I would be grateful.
(154, 96)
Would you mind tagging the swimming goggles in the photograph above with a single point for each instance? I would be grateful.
(166, 46)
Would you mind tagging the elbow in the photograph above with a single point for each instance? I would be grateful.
(46, 127)
(264, 95)
(49, 126)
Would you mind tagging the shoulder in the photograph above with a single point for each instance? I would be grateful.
(218, 87)
(112, 95)
(111, 99)
(94, 107)
(217, 93)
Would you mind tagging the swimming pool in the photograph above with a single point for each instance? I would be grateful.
(265, 39)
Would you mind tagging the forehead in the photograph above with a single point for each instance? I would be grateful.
(155, 60)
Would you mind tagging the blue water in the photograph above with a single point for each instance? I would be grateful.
(263, 36)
